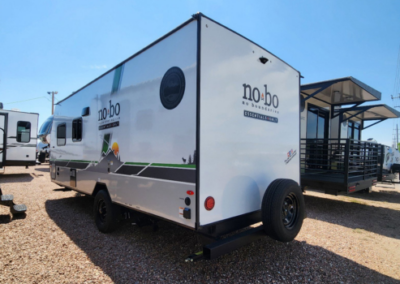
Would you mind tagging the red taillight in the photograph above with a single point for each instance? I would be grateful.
(209, 203)
(352, 188)
(190, 192)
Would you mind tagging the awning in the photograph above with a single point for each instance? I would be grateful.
(369, 112)
(341, 91)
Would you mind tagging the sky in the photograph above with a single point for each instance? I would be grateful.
(63, 45)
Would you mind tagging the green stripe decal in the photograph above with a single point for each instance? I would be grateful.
(134, 163)
(138, 164)
(174, 165)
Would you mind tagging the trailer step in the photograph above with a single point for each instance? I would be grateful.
(223, 246)
(18, 209)
(6, 199)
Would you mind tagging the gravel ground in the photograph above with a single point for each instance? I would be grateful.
(345, 239)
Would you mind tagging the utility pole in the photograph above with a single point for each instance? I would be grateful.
(396, 104)
(52, 101)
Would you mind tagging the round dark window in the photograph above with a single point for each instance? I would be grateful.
(172, 88)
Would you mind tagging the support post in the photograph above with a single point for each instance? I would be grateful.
(346, 162)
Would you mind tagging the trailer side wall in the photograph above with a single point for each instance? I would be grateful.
(141, 150)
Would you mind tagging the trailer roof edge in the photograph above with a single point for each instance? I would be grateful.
(19, 111)
(368, 108)
(195, 17)
(202, 15)
(132, 56)
(362, 85)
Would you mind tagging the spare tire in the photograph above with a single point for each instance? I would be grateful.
(283, 210)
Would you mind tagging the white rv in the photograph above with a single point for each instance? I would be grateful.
(389, 164)
(18, 136)
(43, 145)
(200, 128)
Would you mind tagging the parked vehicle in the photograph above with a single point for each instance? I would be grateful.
(199, 128)
(43, 145)
(389, 163)
(42, 152)
(18, 135)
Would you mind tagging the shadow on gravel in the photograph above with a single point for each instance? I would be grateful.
(46, 170)
(4, 219)
(64, 189)
(383, 195)
(354, 214)
(9, 178)
(133, 254)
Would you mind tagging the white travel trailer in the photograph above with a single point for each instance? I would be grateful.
(390, 164)
(18, 136)
(200, 128)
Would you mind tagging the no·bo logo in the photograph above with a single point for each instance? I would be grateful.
(255, 95)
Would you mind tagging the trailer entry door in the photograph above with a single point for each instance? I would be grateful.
(317, 122)
(317, 128)
(3, 129)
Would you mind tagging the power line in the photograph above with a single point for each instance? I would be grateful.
(25, 100)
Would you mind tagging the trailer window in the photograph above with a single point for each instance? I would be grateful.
(61, 137)
(353, 130)
(23, 131)
(46, 126)
(77, 130)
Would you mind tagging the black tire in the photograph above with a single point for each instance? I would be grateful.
(281, 195)
(105, 212)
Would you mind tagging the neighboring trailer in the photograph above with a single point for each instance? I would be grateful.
(192, 129)
(18, 136)
(335, 165)
(333, 156)
(43, 145)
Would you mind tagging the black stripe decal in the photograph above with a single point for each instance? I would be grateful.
(61, 163)
(129, 170)
(76, 165)
(183, 175)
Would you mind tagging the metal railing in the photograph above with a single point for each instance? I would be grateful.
(345, 159)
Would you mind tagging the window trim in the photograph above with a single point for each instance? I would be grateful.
(30, 129)
(354, 125)
(65, 142)
(72, 130)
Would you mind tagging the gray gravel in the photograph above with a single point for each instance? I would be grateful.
(58, 242)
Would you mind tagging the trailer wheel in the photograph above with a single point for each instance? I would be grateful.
(105, 212)
(283, 210)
